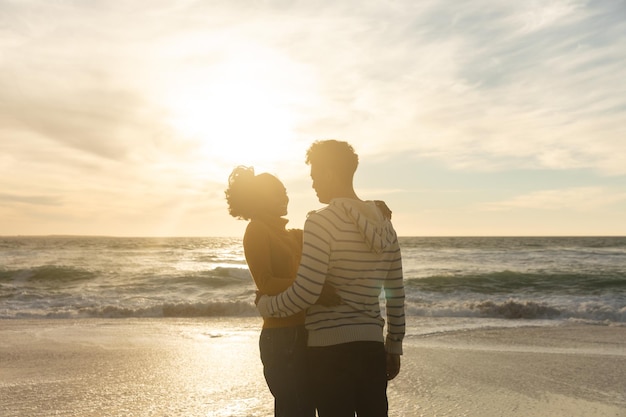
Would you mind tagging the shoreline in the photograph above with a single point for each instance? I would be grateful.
(210, 367)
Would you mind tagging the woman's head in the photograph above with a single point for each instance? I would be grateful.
(250, 196)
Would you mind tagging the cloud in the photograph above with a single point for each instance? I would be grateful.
(43, 200)
(89, 94)
(490, 86)
(578, 199)
(95, 120)
(534, 16)
(482, 86)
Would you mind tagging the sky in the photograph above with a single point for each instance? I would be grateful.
(470, 118)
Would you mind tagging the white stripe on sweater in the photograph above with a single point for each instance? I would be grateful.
(335, 250)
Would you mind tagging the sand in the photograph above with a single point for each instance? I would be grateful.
(210, 367)
(545, 371)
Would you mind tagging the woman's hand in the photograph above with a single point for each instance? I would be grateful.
(384, 209)
(328, 296)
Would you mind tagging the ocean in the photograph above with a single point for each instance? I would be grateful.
(109, 326)
(538, 279)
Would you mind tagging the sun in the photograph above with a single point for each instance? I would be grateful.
(239, 112)
(235, 120)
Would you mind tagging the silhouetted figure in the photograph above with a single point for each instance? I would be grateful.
(273, 255)
(352, 245)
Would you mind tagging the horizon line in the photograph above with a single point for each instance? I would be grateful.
(239, 237)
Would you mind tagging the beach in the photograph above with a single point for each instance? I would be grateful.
(210, 367)
(108, 326)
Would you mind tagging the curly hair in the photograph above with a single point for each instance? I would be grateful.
(333, 154)
(248, 194)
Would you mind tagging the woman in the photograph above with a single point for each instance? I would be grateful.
(273, 255)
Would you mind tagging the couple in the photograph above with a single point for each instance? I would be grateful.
(322, 343)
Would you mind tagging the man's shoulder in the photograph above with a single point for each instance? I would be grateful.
(318, 211)
(324, 212)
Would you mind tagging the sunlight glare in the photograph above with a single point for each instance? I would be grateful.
(242, 112)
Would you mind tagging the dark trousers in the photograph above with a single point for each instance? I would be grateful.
(283, 353)
(350, 378)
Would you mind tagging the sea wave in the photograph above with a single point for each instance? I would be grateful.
(512, 308)
(60, 274)
(181, 310)
(526, 282)
(503, 278)
(46, 274)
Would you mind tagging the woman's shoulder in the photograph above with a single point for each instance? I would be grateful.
(255, 228)
(296, 233)
(255, 224)
(262, 226)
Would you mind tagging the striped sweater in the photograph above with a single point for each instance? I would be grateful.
(350, 244)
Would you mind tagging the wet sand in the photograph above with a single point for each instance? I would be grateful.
(210, 367)
(565, 371)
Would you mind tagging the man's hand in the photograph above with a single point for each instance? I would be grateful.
(393, 366)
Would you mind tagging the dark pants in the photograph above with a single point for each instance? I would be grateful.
(350, 378)
(283, 353)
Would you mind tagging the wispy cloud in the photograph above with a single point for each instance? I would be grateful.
(576, 199)
(494, 85)
(44, 200)
(92, 95)
(482, 85)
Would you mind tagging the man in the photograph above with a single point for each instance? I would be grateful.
(351, 245)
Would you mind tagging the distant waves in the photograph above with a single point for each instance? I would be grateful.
(580, 279)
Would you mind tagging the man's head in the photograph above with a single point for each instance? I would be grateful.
(333, 164)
